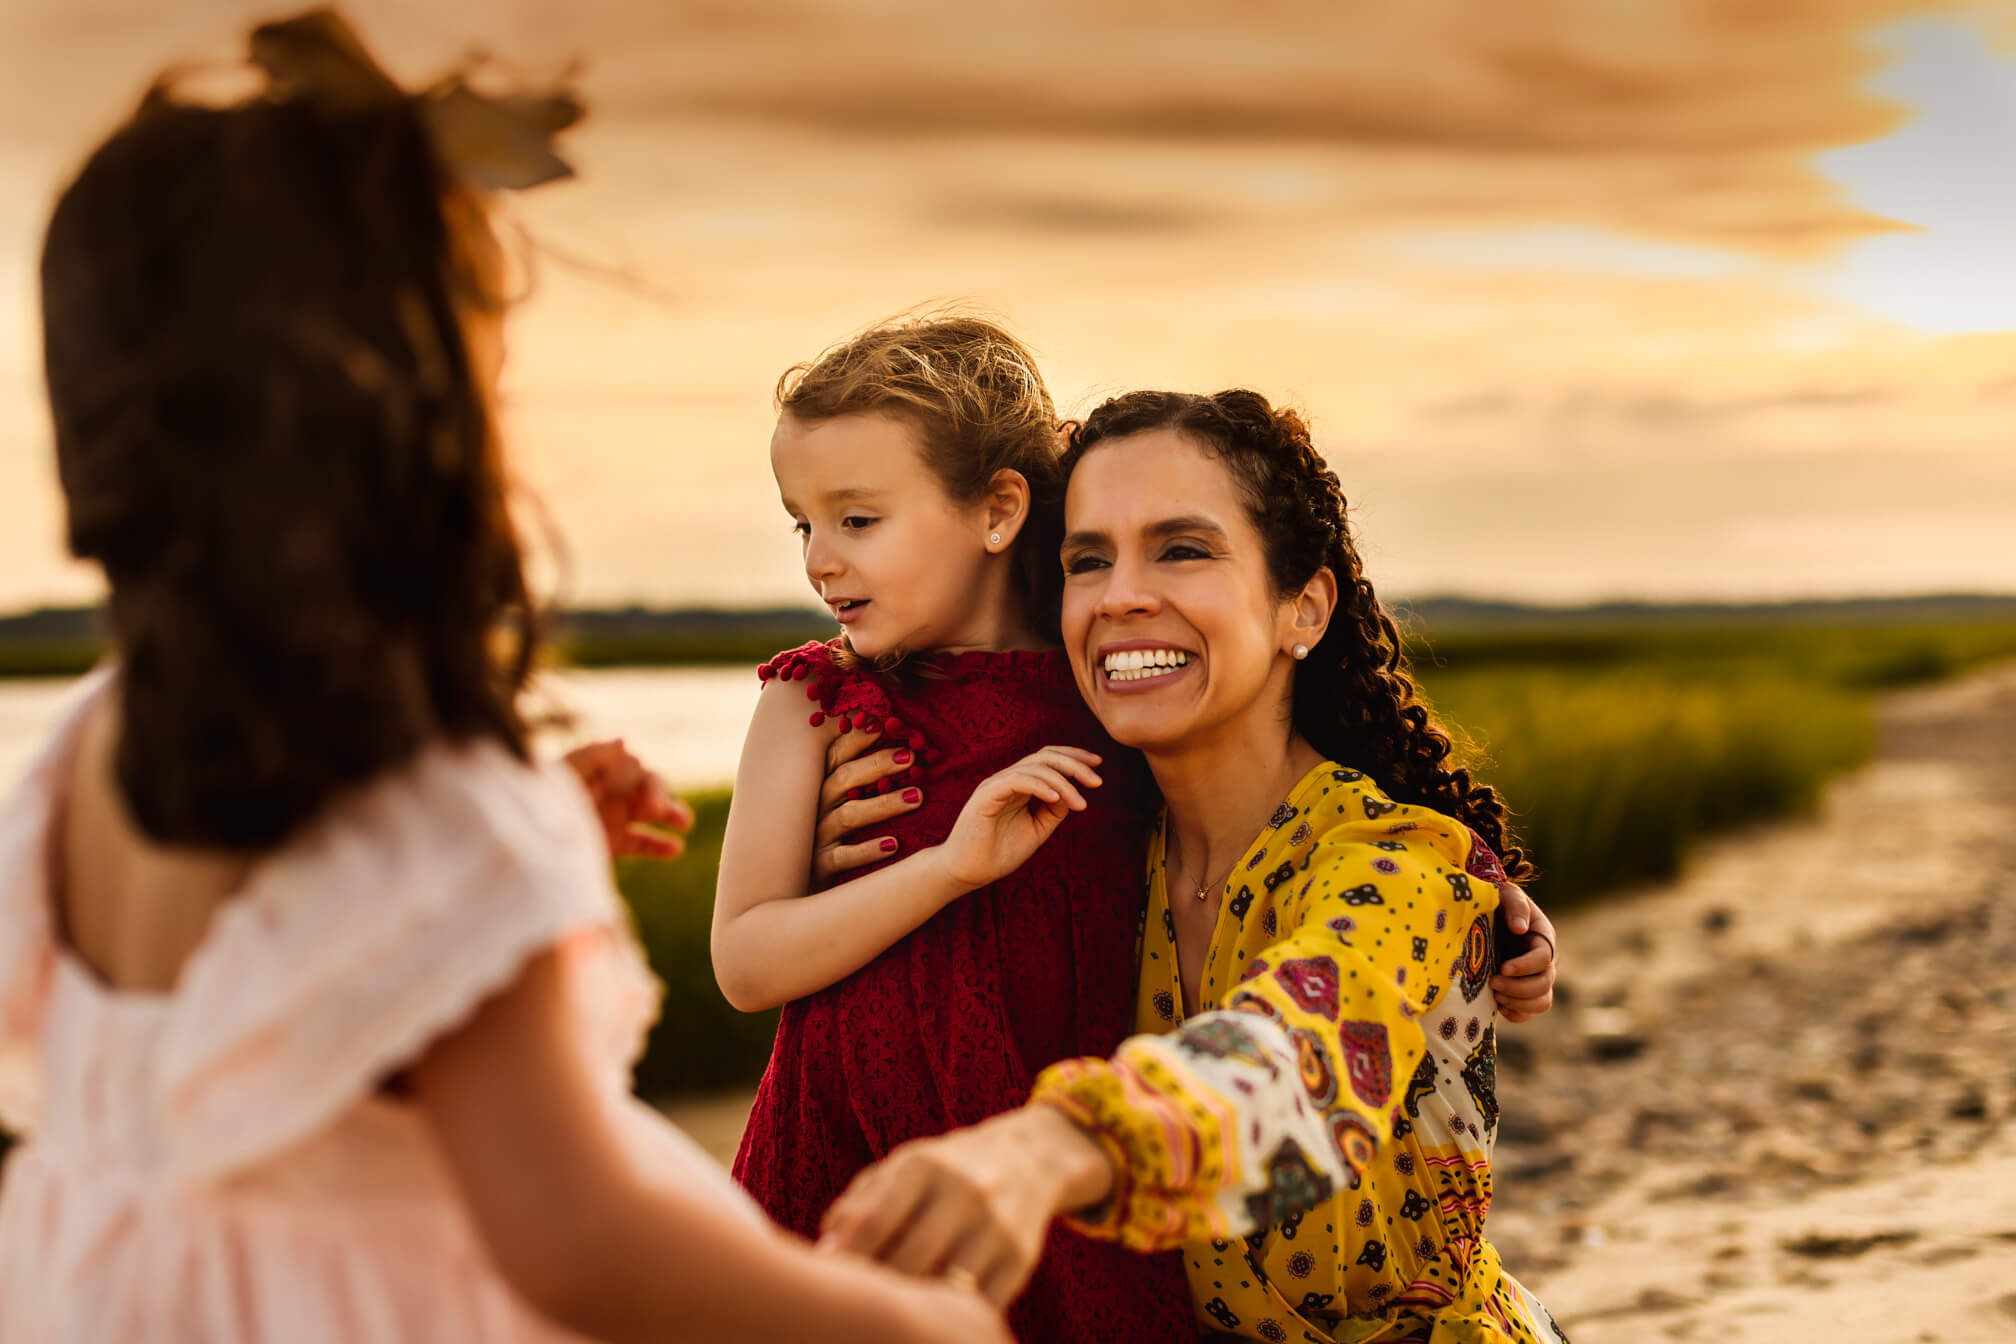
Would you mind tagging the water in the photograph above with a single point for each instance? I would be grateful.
(687, 722)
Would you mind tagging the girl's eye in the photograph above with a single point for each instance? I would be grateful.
(802, 529)
(1082, 564)
(855, 522)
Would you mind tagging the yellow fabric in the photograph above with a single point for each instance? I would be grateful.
(1317, 1138)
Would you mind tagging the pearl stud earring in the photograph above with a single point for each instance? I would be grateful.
(993, 538)
(1301, 651)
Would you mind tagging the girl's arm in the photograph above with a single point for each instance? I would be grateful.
(774, 939)
(606, 1245)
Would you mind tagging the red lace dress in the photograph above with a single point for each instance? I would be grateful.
(952, 1024)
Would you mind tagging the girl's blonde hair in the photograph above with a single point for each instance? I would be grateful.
(972, 393)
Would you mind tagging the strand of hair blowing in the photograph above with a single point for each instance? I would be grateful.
(1353, 699)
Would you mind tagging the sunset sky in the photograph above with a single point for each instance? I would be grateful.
(1587, 298)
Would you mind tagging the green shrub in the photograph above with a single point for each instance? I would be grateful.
(700, 1041)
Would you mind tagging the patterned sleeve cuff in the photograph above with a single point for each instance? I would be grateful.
(1162, 1170)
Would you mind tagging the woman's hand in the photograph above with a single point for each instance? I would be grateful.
(977, 1200)
(1525, 985)
(1013, 812)
(639, 815)
(850, 765)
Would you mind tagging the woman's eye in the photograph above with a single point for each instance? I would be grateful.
(1184, 551)
(1080, 564)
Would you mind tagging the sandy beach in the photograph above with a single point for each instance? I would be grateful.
(1777, 1099)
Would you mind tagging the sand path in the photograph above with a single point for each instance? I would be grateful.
(1776, 1103)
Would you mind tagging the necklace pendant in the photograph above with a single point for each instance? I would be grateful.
(1202, 894)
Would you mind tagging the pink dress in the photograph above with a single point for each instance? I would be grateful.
(220, 1163)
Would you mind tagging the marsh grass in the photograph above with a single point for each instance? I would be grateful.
(1612, 774)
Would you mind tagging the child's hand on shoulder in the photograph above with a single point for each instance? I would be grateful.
(1013, 812)
(639, 815)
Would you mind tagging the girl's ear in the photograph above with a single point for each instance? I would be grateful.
(1005, 508)
(1307, 614)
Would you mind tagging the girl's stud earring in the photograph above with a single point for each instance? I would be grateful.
(993, 538)
(1301, 651)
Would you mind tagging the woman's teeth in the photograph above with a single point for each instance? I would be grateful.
(1137, 664)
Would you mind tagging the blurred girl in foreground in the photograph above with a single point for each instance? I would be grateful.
(316, 1003)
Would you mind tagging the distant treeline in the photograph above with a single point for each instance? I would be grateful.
(1926, 609)
(64, 641)
(1444, 632)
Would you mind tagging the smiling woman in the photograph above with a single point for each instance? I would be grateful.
(1306, 1108)
(1151, 460)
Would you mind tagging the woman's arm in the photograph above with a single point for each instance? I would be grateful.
(1238, 1118)
(775, 939)
(603, 1246)
(978, 1199)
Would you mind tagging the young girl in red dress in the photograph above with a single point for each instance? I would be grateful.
(919, 463)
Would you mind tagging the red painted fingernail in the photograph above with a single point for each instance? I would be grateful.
(902, 758)
(912, 796)
(888, 844)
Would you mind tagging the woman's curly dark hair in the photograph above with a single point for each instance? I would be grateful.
(271, 437)
(1353, 700)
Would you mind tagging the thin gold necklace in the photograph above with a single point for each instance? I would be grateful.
(1204, 889)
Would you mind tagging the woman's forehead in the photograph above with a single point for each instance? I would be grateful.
(1134, 482)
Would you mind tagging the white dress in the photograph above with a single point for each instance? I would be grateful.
(219, 1163)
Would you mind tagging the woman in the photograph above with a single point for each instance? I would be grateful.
(1308, 1111)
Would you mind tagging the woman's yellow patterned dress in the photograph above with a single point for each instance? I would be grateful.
(1318, 1137)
